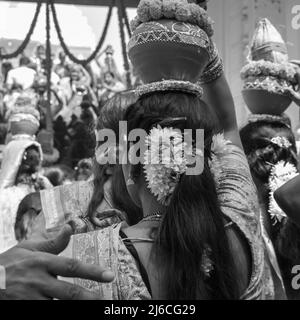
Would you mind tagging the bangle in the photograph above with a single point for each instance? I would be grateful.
(213, 73)
(215, 67)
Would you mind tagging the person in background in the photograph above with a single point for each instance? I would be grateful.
(62, 68)
(91, 199)
(270, 147)
(84, 170)
(19, 176)
(109, 87)
(57, 175)
(22, 76)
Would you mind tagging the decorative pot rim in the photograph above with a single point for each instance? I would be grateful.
(165, 31)
(268, 84)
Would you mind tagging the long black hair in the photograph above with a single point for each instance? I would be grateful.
(193, 221)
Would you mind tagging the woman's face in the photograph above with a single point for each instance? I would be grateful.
(31, 161)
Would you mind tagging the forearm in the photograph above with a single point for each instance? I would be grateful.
(217, 94)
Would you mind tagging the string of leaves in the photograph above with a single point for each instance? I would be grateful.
(124, 48)
(64, 45)
(24, 44)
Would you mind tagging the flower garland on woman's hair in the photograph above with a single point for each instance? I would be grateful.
(280, 174)
(27, 38)
(166, 160)
(123, 42)
(181, 10)
(99, 45)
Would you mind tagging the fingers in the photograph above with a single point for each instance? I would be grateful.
(54, 246)
(66, 291)
(71, 268)
(99, 219)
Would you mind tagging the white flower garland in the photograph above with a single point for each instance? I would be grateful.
(281, 142)
(164, 163)
(163, 168)
(281, 173)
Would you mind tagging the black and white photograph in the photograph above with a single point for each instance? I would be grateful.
(150, 151)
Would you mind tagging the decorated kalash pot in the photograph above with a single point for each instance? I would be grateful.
(170, 40)
(24, 120)
(268, 77)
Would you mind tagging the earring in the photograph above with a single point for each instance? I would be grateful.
(130, 182)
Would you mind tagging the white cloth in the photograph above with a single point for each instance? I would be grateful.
(23, 76)
(12, 159)
(10, 198)
(10, 194)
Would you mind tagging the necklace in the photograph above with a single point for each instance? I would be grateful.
(152, 217)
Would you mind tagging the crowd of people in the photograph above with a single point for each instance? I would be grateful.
(228, 232)
(77, 95)
(31, 159)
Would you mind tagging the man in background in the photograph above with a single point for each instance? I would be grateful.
(22, 76)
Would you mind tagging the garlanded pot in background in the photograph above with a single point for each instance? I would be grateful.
(24, 119)
(267, 86)
(171, 40)
(268, 77)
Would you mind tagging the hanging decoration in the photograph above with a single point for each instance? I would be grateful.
(124, 47)
(125, 17)
(48, 66)
(64, 45)
(25, 43)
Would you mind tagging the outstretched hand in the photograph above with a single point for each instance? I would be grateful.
(31, 270)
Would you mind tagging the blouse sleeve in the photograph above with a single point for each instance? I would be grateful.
(236, 190)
